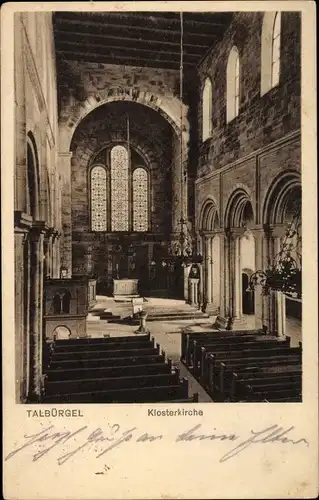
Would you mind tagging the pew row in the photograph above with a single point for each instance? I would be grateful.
(111, 370)
(244, 366)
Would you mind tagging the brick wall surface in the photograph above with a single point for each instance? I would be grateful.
(263, 141)
(261, 120)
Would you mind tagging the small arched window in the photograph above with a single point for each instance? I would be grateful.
(61, 303)
(66, 300)
(140, 200)
(207, 110)
(275, 63)
(270, 51)
(57, 304)
(98, 198)
(233, 84)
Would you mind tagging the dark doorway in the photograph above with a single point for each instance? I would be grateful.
(248, 296)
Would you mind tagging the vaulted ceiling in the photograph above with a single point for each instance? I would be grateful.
(138, 38)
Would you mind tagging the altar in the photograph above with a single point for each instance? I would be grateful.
(125, 289)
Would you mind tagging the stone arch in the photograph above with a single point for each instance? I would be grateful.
(209, 217)
(33, 177)
(170, 109)
(147, 156)
(61, 332)
(278, 195)
(239, 208)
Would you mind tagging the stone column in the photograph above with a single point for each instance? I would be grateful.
(225, 283)
(208, 265)
(22, 224)
(278, 233)
(193, 291)
(238, 286)
(216, 281)
(280, 300)
(36, 309)
(56, 255)
(260, 263)
(65, 170)
(20, 202)
(281, 314)
(200, 251)
(235, 278)
(222, 261)
(187, 269)
(267, 299)
(47, 250)
(228, 265)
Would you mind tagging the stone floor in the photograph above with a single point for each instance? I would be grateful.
(166, 333)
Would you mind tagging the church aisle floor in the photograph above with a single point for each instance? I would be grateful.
(166, 333)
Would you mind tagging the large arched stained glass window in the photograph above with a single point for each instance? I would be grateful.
(119, 189)
(98, 199)
(140, 200)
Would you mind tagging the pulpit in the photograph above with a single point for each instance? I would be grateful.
(125, 289)
(66, 306)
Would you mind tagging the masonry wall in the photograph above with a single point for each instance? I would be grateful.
(263, 140)
(35, 121)
(259, 149)
(261, 120)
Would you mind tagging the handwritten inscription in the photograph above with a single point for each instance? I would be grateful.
(105, 440)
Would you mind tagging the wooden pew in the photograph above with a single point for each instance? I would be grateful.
(106, 362)
(116, 353)
(105, 384)
(133, 395)
(200, 352)
(284, 390)
(187, 338)
(194, 345)
(248, 368)
(220, 366)
(102, 347)
(268, 379)
(110, 371)
(102, 340)
(279, 398)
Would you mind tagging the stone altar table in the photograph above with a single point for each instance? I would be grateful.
(125, 289)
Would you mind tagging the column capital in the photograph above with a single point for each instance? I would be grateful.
(49, 234)
(234, 233)
(22, 221)
(258, 232)
(277, 231)
(38, 228)
(208, 237)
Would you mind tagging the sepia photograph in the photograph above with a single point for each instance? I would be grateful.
(159, 250)
(157, 211)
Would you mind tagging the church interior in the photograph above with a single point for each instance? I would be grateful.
(157, 210)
